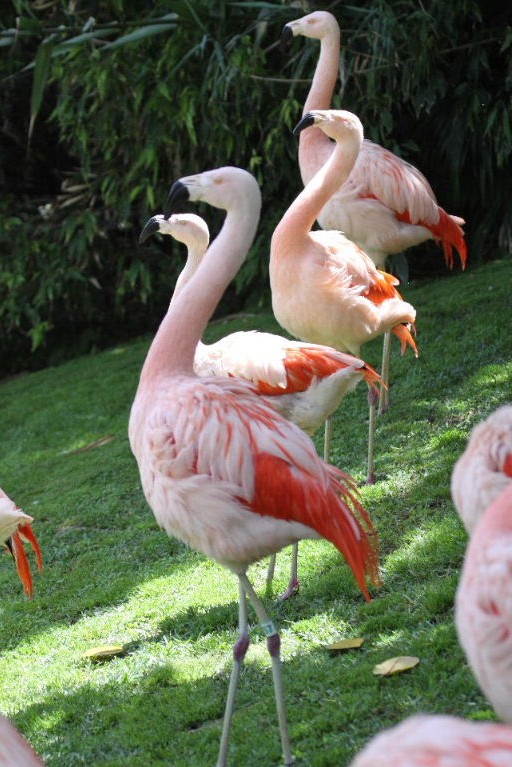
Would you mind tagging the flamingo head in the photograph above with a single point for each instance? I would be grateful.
(222, 188)
(187, 228)
(315, 25)
(338, 124)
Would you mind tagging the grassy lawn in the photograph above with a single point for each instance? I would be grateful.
(112, 577)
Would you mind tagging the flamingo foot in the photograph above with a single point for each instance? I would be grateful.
(293, 588)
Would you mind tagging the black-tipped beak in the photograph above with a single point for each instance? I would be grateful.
(151, 226)
(307, 121)
(286, 38)
(178, 193)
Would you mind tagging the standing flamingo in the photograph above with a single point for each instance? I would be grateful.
(483, 606)
(325, 289)
(15, 528)
(484, 470)
(15, 751)
(304, 382)
(385, 205)
(434, 740)
(220, 468)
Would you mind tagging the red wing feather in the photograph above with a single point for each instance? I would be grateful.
(333, 511)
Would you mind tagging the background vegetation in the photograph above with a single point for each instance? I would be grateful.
(105, 103)
(111, 576)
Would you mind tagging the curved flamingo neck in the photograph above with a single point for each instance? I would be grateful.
(195, 255)
(173, 348)
(313, 144)
(304, 210)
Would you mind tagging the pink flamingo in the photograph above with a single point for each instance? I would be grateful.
(483, 606)
(15, 528)
(385, 205)
(484, 470)
(325, 289)
(304, 382)
(15, 751)
(430, 740)
(220, 468)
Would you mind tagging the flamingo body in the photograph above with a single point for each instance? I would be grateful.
(439, 741)
(324, 288)
(484, 470)
(483, 609)
(15, 529)
(386, 205)
(15, 751)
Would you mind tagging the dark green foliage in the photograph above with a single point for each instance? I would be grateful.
(125, 97)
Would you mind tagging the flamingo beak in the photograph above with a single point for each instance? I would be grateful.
(307, 121)
(151, 227)
(178, 194)
(17, 547)
(286, 38)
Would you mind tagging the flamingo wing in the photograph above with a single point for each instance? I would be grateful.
(211, 447)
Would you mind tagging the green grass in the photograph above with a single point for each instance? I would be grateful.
(111, 576)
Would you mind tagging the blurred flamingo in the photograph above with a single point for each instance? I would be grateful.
(325, 289)
(15, 528)
(15, 751)
(483, 607)
(484, 470)
(221, 469)
(304, 382)
(434, 740)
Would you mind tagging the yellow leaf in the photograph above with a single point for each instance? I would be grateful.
(105, 652)
(396, 665)
(344, 644)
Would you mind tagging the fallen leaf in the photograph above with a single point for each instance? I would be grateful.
(396, 665)
(104, 652)
(344, 644)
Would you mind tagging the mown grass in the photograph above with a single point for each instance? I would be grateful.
(111, 576)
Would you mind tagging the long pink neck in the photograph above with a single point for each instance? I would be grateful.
(304, 210)
(173, 348)
(314, 144)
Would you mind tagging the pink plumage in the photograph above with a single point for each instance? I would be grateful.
(483, 609)
(386, 205)
(15, 751)
(212, 455)
(439, 741)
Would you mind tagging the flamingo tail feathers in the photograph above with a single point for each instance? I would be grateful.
(334, 511)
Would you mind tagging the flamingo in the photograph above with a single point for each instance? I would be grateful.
(484, 470)
(222, 470)
(385, 205)
(483, 605)
(435, 740)
(304, 382)
(325, 289)
(15, 528)
(15, 751)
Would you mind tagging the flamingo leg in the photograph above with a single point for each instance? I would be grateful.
(293, 584)
(270, 574)
(273, 646)
(386, 360)
(239, 651)
(372, 422)
(327, 438)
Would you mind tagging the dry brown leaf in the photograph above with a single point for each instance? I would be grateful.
(344, 644)
(396, 665)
